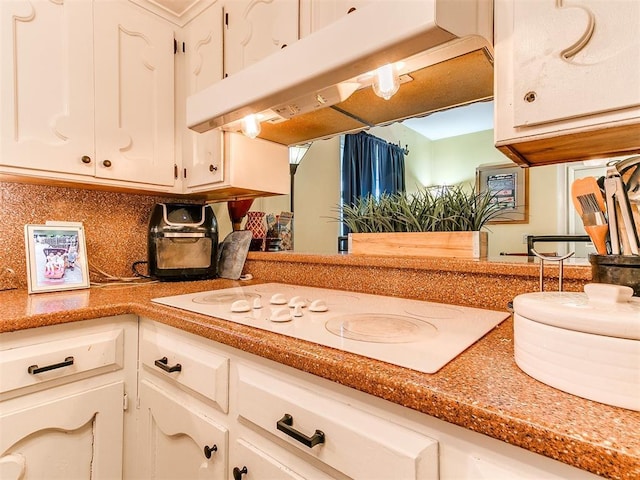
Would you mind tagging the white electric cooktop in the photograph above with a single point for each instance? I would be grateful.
(423, 336)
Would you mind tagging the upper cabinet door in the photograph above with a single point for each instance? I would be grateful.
(46, 85)
(567, 79)
(134, 95)
(202, 152)
(574, 58)
(256, 28)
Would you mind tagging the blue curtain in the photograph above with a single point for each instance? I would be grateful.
(370, 165)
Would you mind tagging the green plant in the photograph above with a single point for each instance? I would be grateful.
(435, 209)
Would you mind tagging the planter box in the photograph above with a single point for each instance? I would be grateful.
(420, 244)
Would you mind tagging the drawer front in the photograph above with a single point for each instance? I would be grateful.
(356, 443)
(29, 368)
(187, 363)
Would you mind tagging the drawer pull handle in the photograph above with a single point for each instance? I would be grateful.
(237, 473)
(34, 369)
(285, 424)
(209, 450)
(162, 363)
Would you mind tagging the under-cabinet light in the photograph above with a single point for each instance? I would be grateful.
(386, 81)
(251, 126)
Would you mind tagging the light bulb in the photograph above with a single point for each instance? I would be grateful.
(386, 81)
(251, 126)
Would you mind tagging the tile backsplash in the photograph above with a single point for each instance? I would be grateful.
(115, 226)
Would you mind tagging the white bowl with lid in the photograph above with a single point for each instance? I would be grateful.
(586, 344)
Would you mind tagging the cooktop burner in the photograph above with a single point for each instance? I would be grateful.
(415, 334)
(381, 328)
(225, 298)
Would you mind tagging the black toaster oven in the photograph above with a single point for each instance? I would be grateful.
(182, 242)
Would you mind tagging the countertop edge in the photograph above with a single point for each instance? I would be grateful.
(523, 266)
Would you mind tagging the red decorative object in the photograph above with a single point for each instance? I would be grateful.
(256, 223)
(237, 211)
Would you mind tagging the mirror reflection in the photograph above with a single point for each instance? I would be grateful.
(444, 148)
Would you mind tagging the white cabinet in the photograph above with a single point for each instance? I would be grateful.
(215, 164)
(275, 416)
(63, 399)
(567, 79)
(206, 410)
(90, 88)
(247, 167)
(183, 401)
(46, 94)
(87, 93)
(134, 95)
(253, 30)
(202, 153)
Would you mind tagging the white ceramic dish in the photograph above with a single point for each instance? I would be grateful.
(586, 344)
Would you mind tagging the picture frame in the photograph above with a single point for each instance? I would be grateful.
(510, 185)
(56, 257)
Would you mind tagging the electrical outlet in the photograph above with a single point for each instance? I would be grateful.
(524, 238)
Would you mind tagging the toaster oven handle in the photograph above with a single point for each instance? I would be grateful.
(162, 364)
(183, 234)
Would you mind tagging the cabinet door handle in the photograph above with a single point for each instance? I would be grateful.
(34, 369)
(162, 364)
(209, 450)
(237, 472)
(86, 159)
(285, 424)
(106, 163)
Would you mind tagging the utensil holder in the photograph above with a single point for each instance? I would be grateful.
(617, 270)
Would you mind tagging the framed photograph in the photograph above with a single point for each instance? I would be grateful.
(509, 184)
(56, 258)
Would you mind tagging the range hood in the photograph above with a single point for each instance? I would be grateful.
(318, 87)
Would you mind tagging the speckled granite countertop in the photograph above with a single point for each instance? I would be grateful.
(482, 389)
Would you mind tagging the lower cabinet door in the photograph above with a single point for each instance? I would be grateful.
(178, 440)
(72, 437)
(249, 462)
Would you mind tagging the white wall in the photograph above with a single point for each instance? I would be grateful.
(317, 196)
(543, 215)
